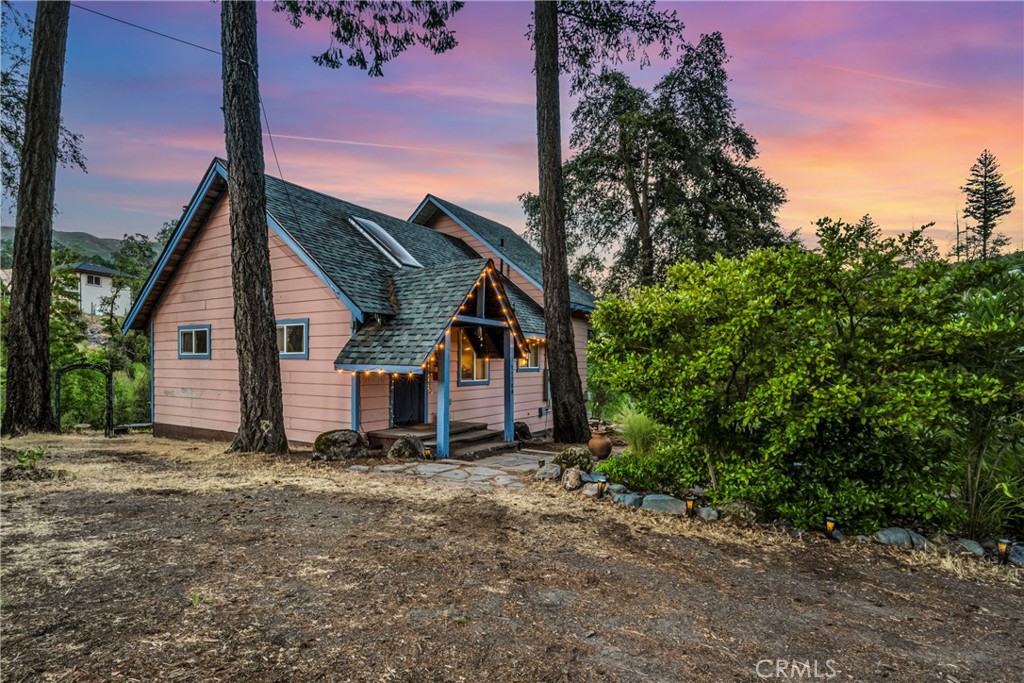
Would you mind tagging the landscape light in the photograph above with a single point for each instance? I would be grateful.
(541, 462)
(602, 486)
(691, 505)
(1003, 546)
(830, 525)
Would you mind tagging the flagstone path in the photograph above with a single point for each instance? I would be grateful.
(509, 470)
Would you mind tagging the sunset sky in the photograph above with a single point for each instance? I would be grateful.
(864, 107)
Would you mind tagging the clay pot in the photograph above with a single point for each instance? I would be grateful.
(600, 445)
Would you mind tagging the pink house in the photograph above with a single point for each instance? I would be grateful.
(433, 324)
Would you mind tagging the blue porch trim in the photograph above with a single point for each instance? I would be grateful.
(486, 322)
(415, 369)
(426, 398)
(152, 374)
(354, 417)
(510, 402)
(444, 397)
(305, 339)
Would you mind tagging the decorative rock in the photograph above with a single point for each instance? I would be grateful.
(661, 503)
(340, 444)
(966, 544)
(571, 479)
(406, 448)
(593, 477)
(905, 538)
(522, 431)
(838, 535)
(938, 539)
(989, 545)
(591, 490)
(863, 539)
(633, 500)
(1016, 557)
(550, 471)
(600, 445)
(576, 456)
(614, 489)
(359, 468)
(709, 514)
(741, 510)
(796, 533)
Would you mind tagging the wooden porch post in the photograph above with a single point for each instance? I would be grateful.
(444, 396)
(355, 401)
(510, 402)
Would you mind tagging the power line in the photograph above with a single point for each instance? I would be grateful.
(266, 119)
(143, 28)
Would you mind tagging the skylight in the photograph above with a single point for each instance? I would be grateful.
(387, 244)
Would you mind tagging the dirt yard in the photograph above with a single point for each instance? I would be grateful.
(162, 560)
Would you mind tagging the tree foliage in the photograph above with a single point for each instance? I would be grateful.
(989, 198)
(17, 33)
(662, 175)
(852, 381)
(367, 35)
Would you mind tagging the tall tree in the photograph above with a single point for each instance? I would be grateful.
(989, 198)
(576, 38)
(28, 380)
(662, 175)
(382, 29)
(17, 29)
(261, 426)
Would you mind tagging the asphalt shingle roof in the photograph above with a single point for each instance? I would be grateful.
(427, 299)
(507, 242)
(321, 224)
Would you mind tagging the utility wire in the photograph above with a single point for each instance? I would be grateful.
(263, 107)
(143, 28)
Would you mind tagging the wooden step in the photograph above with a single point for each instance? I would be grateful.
(477, 449)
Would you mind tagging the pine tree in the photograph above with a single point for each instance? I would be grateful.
(989, 198)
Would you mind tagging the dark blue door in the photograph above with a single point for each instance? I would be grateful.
(408, 399)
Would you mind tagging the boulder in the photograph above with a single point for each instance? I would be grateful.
(522, 431)
(600, 446)
(576, 456)
(615, 489)
(905, 538)
(571, 479)
(551, 472)
(742, 511)
(406, 448)
(591, 490)
(659, 502)
(593, 477)
(796, 532)
(633, 500)
(1016, 557)
(962, 545)
(340, 444)
(709, 514)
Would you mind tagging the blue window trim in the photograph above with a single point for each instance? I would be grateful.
(524, 368)
(196, 356)
(305, 339)
(458, 372)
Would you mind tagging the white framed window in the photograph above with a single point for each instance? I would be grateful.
(473, 369)
(93, 280)
(194, 341)
(293, 338)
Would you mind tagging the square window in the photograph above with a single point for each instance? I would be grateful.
(472, 368)
(291, 338)
(532, 360)
(194, 342)
(92, 280)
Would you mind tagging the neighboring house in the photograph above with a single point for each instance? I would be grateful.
(382, 323)
(96, 282)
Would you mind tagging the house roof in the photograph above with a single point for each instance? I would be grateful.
(95, 269)
(502, 240)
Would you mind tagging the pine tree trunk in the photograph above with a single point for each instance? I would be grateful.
(569, 411)
(259, 371)
(28, 362)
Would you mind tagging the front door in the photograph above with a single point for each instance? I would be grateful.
(408, 397)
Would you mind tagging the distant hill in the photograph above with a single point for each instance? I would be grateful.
(89, 246)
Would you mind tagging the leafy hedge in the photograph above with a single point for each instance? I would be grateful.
(866, 380)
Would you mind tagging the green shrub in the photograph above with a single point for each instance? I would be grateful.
(641, 433)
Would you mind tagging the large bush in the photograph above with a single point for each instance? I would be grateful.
(851, 381)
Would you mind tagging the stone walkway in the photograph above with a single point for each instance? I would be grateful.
(507, 469)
